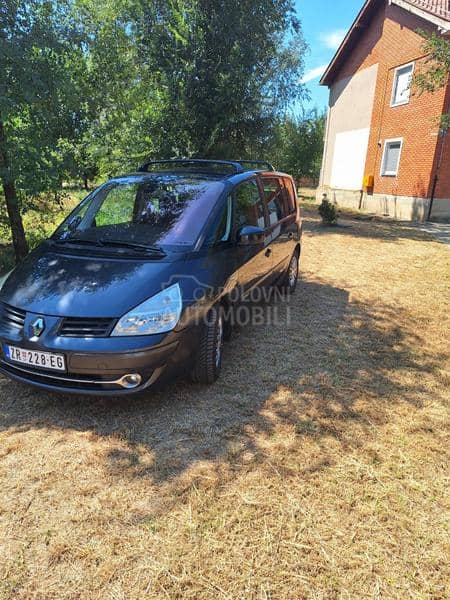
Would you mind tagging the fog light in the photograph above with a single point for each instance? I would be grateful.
(131, 381)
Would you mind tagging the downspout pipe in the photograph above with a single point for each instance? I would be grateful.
(433, 191)
(443, 134)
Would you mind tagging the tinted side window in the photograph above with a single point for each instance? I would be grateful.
(275, 199)
(248, 206)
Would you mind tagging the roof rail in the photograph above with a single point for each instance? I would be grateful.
(217, 166)
(196, 164)
(258, 163)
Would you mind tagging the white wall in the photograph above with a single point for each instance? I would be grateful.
(348, 126)
(349, 160)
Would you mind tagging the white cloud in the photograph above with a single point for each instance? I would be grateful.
(313, 74)
(333, 39)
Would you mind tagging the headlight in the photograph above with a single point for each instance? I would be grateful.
(159, 314)
(4, 278)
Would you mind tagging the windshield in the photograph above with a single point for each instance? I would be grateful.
(162, 211)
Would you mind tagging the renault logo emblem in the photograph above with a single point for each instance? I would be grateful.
(38, 326)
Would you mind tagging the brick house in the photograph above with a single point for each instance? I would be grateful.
(384, 151)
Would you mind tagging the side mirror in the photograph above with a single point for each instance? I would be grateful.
(249, 235)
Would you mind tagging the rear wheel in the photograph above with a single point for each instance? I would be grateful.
(208, 362)
(289, 281)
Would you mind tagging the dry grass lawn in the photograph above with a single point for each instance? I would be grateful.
(317, 467)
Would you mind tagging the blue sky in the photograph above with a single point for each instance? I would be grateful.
(325, 23)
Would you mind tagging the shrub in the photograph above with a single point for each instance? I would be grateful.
(328, 212)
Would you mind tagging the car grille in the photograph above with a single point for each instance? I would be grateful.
(83, 327)
(11, 317)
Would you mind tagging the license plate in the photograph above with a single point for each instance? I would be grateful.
(35, 358)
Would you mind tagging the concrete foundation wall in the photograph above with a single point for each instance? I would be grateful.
(400, 208)
(440, 210)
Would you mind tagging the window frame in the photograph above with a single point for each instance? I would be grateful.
(411, 64)
(290, 183)
(214, 220)
(383, 172)
(229, 227)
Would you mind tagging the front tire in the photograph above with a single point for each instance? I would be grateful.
(208, 362)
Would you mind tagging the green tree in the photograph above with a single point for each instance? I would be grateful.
(80, 160)
(40, 56)
(297, 146)
(187, 78)
(225, 70)
(436, 72)
(122, 86)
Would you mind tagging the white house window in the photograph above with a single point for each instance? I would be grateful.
(401, 90)
(391, 157)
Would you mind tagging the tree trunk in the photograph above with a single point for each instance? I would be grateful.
(12, 202)
(85, 182)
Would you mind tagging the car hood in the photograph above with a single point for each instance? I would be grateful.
(54, 283)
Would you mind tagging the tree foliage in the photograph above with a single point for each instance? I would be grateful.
(436, 73)
(92, 87)
(200, 78)
(41, 99)
(40, 94)
(297, 145)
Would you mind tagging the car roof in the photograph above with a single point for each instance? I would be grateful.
(238, 178)
(230, 178)
(232, 171)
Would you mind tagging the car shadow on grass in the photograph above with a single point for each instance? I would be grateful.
(331, 370)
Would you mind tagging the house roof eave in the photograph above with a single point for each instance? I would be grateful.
(360, 22)
(441, 23)
(357, 24)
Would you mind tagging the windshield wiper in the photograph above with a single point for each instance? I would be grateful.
(134, 246)
(155, 250)
(77, 241)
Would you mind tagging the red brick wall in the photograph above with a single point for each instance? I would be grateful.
(443, 159)
(390, 41)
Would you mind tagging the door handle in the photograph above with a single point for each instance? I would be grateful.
(268, 252)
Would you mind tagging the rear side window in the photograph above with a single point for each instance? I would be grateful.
(249, 209)
(275, 199)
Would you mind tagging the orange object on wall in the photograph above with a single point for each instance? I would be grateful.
(368, 182)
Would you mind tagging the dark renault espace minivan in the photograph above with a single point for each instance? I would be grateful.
(133, 284)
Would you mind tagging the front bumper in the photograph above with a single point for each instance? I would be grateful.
(91, 370)
(70, 384)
